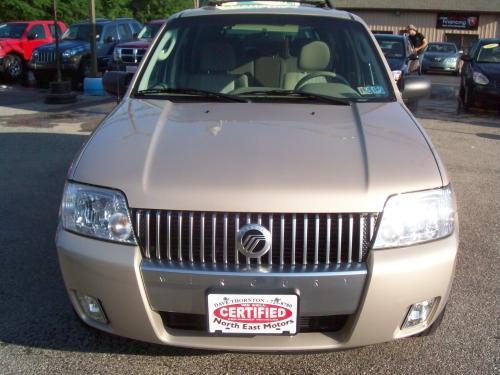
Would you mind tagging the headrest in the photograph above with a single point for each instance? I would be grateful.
(217, 57)
(314, 56)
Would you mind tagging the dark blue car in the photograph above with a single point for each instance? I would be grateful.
(74, 48)
(480, 79)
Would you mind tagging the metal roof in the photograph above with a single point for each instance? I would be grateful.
(476, 6)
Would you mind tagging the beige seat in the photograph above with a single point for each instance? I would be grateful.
(314, 57)
(216, 62)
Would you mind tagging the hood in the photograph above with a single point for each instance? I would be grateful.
(491, 70)
(440, 54)
(141, 43)
(396, 64)
(65, 45)
(254, 157)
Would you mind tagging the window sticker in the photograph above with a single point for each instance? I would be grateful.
(371, 90)
(491, 45)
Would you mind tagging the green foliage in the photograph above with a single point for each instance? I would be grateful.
(71, 11)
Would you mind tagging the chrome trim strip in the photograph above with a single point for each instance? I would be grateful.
(351, 225)
(236, 229)
(270, 253)
(158, 232)
(316, 241)
(191, 223)
(169, 228)
(202, 238)
(147, 249)
(361, 235)
(179, 236)
(339, 239)
(282, 240)
(304, 250)
(225, 239)
(214, 230)
(328, 235)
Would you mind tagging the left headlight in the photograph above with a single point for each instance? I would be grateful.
(96, 212)
(69, 53)
(417, 217)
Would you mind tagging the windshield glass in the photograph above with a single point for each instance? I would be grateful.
(442, 48)
(81, 32)
(248, 55)
(489, 53)
(149, 31)
(392, 48)
(12, 30)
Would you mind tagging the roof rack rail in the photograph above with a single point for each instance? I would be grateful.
(316, 3)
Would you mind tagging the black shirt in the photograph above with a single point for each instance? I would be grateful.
(417, 40)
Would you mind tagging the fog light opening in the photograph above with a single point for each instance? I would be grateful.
(92, 308)
(419, 313)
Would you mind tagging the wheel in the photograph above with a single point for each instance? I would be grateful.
(434, 327)
(14, 67)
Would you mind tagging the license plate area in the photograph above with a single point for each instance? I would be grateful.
(252, 314)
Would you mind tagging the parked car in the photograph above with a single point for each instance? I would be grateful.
(19, 39)
(127, 56)
(480, 78)
(261, 178)
(443, 57)
(402, 61)
(75, 48)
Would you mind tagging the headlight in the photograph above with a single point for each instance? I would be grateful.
(96, 212)
(480, 78)
(34, 55)
(451, 60)
(117, 54)
(69, 53)
(417, 217)
(396, 74)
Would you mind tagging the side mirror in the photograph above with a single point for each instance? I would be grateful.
(466, 57)
(135, 35)
(110, 39)
(32, 36)
(415, 87)
(116, 83)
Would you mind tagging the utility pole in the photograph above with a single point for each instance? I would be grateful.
(93, 45)
(56, 30)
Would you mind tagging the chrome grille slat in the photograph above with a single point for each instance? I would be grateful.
(297, 240)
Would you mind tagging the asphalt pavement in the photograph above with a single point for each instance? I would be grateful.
(40, 334)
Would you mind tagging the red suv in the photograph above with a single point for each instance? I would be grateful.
(17, 41)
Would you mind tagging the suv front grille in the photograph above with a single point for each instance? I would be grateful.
(46, 57)
(210, 237)
(132, 55)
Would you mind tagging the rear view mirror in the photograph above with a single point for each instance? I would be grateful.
(116, 83)
(416, 87)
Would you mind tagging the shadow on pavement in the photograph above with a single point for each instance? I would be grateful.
(36, 312)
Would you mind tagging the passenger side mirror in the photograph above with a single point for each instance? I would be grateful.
(466, 57)
(32, 36)
(413, 56)
(110, 39)
(415, 87)
(116, 83)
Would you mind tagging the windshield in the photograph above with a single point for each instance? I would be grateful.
(442, 48)
(149, 31)
(259, 55)
(489, 53)
(12, 30)
(81, 32)
(392, 48)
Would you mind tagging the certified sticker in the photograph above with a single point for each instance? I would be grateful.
(371, 90)
(252, 314)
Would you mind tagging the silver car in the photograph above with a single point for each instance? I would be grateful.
(261, 186)
(443, 57)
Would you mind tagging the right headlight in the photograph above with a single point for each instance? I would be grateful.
(480, 78)
(417, 217)
(96, 212)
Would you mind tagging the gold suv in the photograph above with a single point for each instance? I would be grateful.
(261, 186)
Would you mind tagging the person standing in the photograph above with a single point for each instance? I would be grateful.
(418, 43)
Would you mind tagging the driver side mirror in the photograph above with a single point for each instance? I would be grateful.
(416, 87)
(116, 82)
(135, 35)
(110, 39)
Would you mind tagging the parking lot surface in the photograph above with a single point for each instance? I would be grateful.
(40, 334)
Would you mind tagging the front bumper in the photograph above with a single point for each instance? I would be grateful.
(65, 66)
(395, 279)
(486, 96)
(439, 66)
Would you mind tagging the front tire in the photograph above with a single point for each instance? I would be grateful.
(14, 67)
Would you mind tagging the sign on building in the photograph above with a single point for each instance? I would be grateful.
(457, 21)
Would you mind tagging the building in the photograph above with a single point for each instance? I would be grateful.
(461, 22)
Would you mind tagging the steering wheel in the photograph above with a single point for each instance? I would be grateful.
(327, 75)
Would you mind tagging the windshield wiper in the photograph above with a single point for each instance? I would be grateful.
(300, 94)
(193, 92)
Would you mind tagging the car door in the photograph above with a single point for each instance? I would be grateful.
(125, 33)
(36, 35)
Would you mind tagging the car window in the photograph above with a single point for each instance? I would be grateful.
(149, 30)
(12, 30)
(489, 53)
(52, 29)
(136, 27)
(81, 32)
(124, 31)
(110, 31)
(37, 31)
(443, 48)
(392, 48)
(243, 53)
